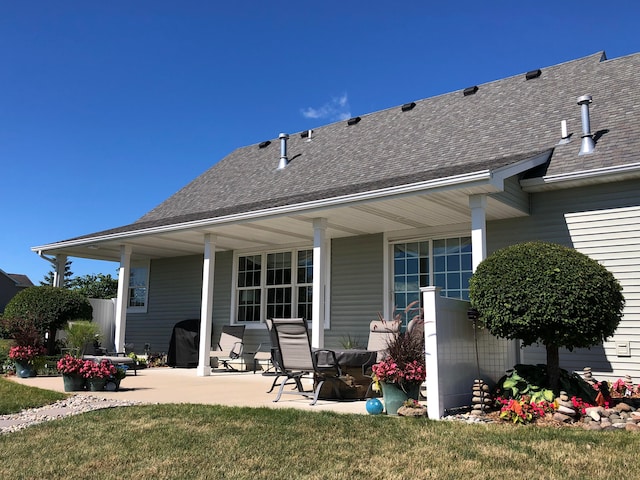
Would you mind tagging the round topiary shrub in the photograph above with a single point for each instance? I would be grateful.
(546, 293)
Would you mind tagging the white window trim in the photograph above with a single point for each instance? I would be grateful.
(146, 264)
(263, 273)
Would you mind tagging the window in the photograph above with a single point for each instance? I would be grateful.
(445, 263)
(138, 288)
(274, 285)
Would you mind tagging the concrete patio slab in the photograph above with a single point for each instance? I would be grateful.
(176, 385)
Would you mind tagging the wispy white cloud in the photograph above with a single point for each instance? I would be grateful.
(334, 110)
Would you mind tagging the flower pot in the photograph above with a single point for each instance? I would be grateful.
(24, 369)
(394, 396)
(73, 383)
(112, 385)
(96, 384)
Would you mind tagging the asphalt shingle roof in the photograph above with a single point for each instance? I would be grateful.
(503, 122)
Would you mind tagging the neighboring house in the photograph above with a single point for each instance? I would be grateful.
(389, 202)
(10, 285)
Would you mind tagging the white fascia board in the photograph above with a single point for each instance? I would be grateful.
(574, 179)
(499, 175)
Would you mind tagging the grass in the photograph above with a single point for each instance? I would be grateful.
(15, 397)
(201, 442)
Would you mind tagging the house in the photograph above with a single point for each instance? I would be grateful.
(10, 285)
(353, 218)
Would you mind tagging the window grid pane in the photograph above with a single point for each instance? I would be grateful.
(249, 305)
(411, 271)
(451, 263)
(305, 266)
(305, 302)
(270, 293)
(452, 266)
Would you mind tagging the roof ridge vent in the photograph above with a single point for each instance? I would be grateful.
(470, 90)
(588, 145)
(531, 74)
(284, 160)
(353, 121)
(408, 106)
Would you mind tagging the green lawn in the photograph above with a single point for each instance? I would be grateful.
(199, 441)
(15, 397)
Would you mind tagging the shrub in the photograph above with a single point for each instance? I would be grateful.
(546, 293)
(48, 308)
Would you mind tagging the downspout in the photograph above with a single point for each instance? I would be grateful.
(58, 277)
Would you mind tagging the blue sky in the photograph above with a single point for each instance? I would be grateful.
(108, 108)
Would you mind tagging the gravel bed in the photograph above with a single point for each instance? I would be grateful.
(71, 406)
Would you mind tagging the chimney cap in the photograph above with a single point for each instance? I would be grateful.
(283, 136)
(585, 99)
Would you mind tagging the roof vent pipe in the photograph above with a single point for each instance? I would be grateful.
(284, 160)
(588, 145)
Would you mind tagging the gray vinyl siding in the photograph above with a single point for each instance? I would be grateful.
(175, 294)
(602, 222)
(513, 195)
(356, 288)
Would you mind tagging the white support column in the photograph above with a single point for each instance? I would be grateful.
(58, 275)
(123, 296)
(319, 281)
(478, 205)
(206, 309)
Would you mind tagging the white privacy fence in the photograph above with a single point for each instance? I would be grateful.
(450, 346)
(104, 314)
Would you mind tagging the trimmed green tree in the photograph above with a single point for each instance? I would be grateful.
(547, 294)
(95, 286)
(49, 308)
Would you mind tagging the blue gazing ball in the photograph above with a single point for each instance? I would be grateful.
(374, 406)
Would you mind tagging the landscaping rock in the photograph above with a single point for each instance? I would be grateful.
(562, 418)
(412, 412)
(623, 407)
(593, 414)
(632, 427)
(481, 400)
(566, 410)
(594, 426)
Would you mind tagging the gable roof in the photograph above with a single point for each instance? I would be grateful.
(504, 123)
(18, 279)
(442, 136)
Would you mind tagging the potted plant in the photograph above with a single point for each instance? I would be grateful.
(24, 357)
(70, 367)
(97, 373)
(113, 382)
(401, 372)
(27, 344)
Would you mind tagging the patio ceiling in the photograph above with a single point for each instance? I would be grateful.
(391, 214)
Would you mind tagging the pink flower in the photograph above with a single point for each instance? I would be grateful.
(25, 353)
(86, 368)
